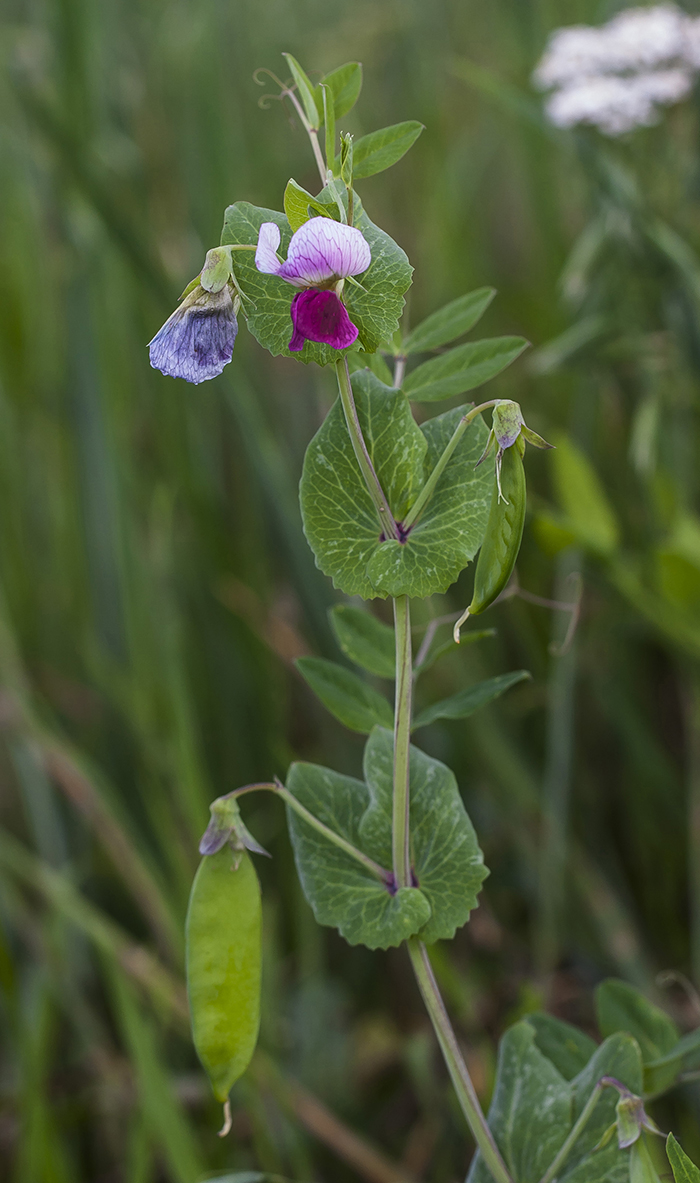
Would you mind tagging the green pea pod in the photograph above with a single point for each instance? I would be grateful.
(224, 955)
(504, 532)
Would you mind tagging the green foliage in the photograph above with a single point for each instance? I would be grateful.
(446, 858)
(684, 1170)
(306, 92)
(466, 702)
(620, 1007)
(451, 529)
(535, 1106)
(461, 369)
(580, 494)
(374, 307)
(224, 954)
(380, 149)
(346, 696)
(450, 322)
(365, 640)
(345, 84)
(299, 206)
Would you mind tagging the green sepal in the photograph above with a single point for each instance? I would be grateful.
(380, 149)
(461, 369)
(467, 702)
(365, 640)
(345, 695)
(446, 859)
(306, 92)
(375, 307)
(450, 322)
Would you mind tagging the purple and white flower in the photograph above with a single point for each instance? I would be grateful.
(197, 341)
(322, 253)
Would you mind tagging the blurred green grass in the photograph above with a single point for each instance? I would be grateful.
(155, 585)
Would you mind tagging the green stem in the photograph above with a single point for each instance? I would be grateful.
(402, 741)
(359, 856)
(456, 1066)
(429, 487)
(311, 133)
(360, 448)
(576, 1132)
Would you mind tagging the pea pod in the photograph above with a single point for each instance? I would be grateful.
(504, 532)
(224, 954)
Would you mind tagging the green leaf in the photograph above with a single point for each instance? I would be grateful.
(684, 1170)
(340, 521)
(464, 704)
(341, 892)
(618, 1056)
(451, 530)
(381, 149)
(582, 497)
(568, 1048)
(446, 858)
(346, 696)
(620, 1007)
(345, 84)
(370, 361)
(364, 639)
(297, 202)
(375, 307)
(642, 1169)
(450, 322)
(306, 91)
(530, 1114)
(462, 369)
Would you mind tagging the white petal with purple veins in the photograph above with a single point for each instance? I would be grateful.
(323, 250)
(266, 254)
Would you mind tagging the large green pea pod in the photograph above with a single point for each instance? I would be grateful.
(504, 532)
(224, 956)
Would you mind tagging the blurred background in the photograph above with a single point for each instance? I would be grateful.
(155, 585)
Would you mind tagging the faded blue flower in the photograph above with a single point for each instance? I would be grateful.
(197, 341)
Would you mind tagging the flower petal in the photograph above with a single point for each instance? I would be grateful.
(266, 254)
(320, 316)
(323, 249)
(197, 341)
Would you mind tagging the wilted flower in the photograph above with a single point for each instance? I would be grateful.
(618, 75)
(507, 427)
(322, 253)
(197, 341)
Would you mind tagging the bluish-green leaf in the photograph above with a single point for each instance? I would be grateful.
(684, 1170)
(306, 90)
(581, 495)
(621, 1007)
(346, 696)
(370, 361)
(345, 84)
(618, 1056)
(451, 530)
(464, 704)
(566, 1046)
(530, 1114)
(462, 369)
(446, 859)
(450, 322)
(375, 307)
(341, 892)
(340, 521)
(380, 149)
(364, 639)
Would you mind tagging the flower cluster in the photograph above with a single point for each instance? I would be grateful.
(617, 76)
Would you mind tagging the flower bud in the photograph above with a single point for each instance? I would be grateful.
(227, 825)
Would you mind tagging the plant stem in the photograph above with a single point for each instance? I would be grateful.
(457, 1068)
(429, 487)
(360, 448)
(401, 847)
(576, 1131)
(311, 133)
(359, 856)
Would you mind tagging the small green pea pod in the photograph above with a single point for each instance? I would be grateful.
(224, 956)
(504, 532)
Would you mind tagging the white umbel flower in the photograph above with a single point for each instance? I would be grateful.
(619, 75)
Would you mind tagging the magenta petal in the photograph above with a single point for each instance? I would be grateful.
(320, 316)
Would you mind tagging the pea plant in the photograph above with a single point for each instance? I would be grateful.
(396, 509)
